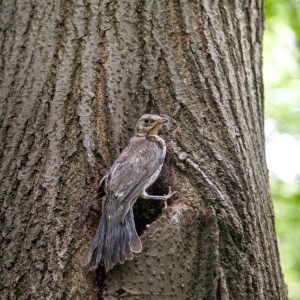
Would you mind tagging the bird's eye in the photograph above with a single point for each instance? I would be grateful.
(146, 121)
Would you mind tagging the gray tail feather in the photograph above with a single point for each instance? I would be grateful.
(114, 241)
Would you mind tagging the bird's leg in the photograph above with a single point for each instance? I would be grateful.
(165, 198)
(98, 196)
(100, 191)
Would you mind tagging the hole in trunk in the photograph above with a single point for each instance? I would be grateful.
(101, 276)
(147, 211)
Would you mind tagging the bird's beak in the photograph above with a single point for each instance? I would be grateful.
(162, 121)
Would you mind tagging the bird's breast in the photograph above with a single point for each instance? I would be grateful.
(152, 178)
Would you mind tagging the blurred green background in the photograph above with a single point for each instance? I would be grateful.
(282, 111)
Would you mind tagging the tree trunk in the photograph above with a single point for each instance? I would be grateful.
(75, 77)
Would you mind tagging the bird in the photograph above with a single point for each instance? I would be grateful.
(136, 169)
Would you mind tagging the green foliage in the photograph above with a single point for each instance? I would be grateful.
(284, 11)
(281, 64)
(286, 198)
(282, 101)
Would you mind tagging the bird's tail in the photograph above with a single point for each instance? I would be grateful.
(114, 240)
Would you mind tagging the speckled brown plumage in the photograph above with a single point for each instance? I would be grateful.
(132, 173)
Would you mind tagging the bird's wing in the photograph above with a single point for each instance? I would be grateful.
(132, 170)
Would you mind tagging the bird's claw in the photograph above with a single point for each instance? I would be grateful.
(170, 195)
(92, 201)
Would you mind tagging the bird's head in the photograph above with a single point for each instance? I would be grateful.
(149, 125)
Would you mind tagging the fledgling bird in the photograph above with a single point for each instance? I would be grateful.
(132, 173)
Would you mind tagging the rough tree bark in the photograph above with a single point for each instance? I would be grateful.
(75, 77)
